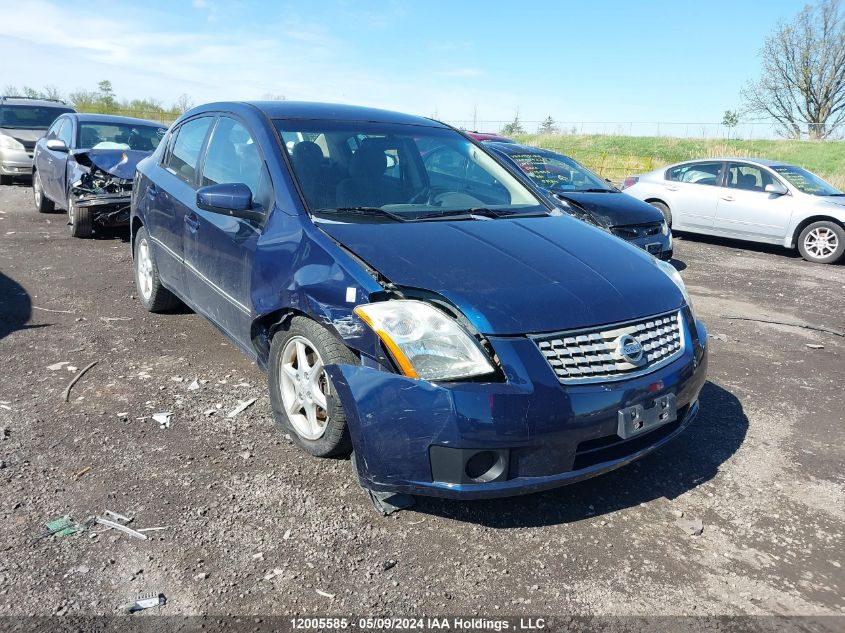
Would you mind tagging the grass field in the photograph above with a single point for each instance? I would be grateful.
(615, 157)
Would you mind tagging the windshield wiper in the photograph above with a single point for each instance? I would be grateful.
(370, 211)
(476, 213)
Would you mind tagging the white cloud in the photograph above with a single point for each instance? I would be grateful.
(143, 56)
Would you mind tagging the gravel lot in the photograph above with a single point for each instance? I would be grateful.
(254, 526)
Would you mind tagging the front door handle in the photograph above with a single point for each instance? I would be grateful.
(671, 188)
(728, 198)
(193, 222)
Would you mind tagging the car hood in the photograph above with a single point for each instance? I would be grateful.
(117, 162)
(615, 208)
(517, 276)
(25, 136)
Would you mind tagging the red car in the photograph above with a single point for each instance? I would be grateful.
(482, 136)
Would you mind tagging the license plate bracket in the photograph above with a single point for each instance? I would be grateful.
(636, 419)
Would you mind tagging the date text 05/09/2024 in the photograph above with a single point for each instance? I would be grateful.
(454, 623)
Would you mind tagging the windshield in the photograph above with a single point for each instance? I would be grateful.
(399, 172)
(558, 173)
(805, 181)
(29, 117)
(142, 137)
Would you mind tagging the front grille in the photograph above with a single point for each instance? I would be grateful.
(604, 353)
(632, 232)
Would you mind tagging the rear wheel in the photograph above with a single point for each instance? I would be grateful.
(154, 296)
(79, 219)
(667, 214)
(42, 204)
(305, 403)
(822, 242)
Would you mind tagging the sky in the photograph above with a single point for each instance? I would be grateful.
(616, 60)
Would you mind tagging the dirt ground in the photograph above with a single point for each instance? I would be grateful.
(255, 527)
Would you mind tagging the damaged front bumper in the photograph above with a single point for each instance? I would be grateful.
(110, 210)
(526, 434)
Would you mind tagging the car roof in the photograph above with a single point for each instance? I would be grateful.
(317, 110)
(88, 117)
(765, 162)
(51, 103)
(516, 148)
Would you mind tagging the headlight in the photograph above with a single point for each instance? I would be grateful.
(675, 276)
(7, 142)
(424, 342)
(665, 228)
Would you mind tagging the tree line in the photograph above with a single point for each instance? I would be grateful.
(104, 101)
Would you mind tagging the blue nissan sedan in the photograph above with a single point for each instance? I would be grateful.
(437, 318)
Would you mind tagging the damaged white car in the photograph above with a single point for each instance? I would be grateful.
(86, 164)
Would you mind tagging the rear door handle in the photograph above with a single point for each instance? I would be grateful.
(193, 222)
(672, 188)
(728, 198)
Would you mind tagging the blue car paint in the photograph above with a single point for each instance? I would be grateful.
(395, 419)
(518, 276)
(515, 277)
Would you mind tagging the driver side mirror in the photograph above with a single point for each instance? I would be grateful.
(57, 145)
(232, 198)
(776, 188)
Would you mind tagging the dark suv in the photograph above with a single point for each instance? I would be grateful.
(22, 122)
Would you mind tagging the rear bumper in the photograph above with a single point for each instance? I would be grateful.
(550, 434)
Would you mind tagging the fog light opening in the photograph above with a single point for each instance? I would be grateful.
(485, 466)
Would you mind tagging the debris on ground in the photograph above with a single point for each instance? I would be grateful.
(693, 527)
(121, 527)
(108, 319)
(242, 405)
(388, 564)
(163, 419)
(272, 574)
(49, 310)
(145, 602)
(63, 526)
(76, 378)
(806, 326)
(719, 337)
(209, 412)
(81, 472)
(57, 366)
(325, 594)
(194, 385)
(815, 346)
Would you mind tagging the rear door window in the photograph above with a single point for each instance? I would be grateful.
(183, 156)
(696, 173)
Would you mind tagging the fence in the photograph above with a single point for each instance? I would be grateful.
(746, 131)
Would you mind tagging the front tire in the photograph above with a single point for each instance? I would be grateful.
(79, 219)
(305, 403)
(154, 296)
(42, 203)
(667, 214)
(822, 242)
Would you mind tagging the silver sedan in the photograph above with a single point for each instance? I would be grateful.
(749, 199)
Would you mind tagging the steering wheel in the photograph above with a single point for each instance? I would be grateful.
(427, 195)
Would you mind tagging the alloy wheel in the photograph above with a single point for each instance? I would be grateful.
(821, 242)
(145, 268)
(304, 387)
